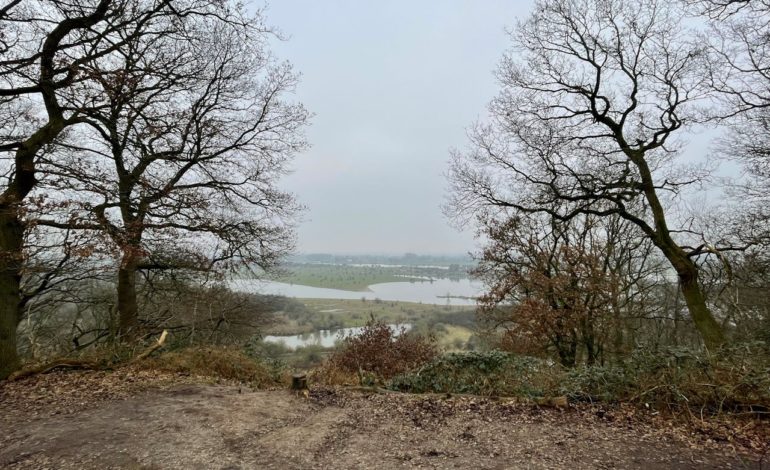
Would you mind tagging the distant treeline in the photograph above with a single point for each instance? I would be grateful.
(407, 259)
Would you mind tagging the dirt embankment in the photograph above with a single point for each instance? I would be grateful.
(129, 420)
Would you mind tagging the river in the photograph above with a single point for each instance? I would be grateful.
(460, 292)
(324, 338)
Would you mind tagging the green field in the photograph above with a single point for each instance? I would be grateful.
(352, 278)
(322, 314)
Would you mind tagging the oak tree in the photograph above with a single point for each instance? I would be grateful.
(43, 47)
(180, 159)
(594, 96)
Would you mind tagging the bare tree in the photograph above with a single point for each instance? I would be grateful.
(45, 50)
(38, 65)
(722, 9)
(63, 274)
(594, 95)
(208, 314)
(738, 37)
(183, 152)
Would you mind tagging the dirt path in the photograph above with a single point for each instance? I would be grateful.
(194, 426)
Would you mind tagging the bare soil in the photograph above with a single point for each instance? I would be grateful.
(129, 420)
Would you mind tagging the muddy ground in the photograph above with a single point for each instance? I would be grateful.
(87, 420)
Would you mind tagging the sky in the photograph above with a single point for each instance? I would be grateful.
(393, 85)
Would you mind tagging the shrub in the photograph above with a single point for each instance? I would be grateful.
(734, 378)
(382, 352)
(598, 383)
(481, 373)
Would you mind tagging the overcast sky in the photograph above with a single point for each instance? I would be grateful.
(393, 85)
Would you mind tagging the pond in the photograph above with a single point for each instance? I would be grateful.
(324, 338)
(438, 291)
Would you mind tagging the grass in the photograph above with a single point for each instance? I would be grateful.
(454, 338)
(323, 314)
(351, 278)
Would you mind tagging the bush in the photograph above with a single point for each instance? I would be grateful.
(735, 378)
(382, 352)
(220, 362)
(598, 383)
(480, 373)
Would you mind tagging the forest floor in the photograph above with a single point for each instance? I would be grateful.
(145, 420)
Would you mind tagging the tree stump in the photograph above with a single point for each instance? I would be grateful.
(299, 384)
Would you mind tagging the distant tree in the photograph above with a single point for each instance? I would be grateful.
(743, 295)
(179, 163)
(594, 95)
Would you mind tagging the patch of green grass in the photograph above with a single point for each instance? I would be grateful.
(352, 278)
(321, 314)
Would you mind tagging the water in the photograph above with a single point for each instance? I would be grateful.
(460, 292)
(324, 338)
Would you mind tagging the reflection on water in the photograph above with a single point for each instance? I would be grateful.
(440, 291)
(324, 338)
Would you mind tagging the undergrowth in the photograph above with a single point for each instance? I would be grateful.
(736, 379)
(733, 379)
(479, 373)
(228, 363)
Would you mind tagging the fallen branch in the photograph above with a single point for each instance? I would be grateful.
(51, 366)
(158, 344)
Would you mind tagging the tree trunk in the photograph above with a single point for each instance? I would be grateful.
(567, 350)
(686, 269)
(23, 181)
(128, 308)
(677, 319)
(9, 320)
(706, 324)
(592, 352)
(11, 238)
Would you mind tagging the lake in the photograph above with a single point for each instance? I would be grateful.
(324, 338)
(426, 292)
